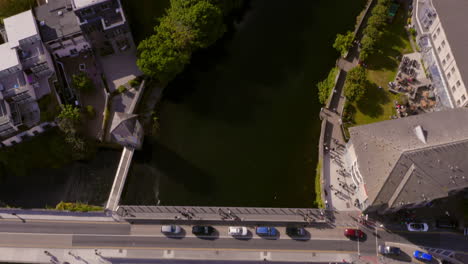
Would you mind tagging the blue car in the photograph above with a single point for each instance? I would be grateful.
(266, 231)
(422, 256)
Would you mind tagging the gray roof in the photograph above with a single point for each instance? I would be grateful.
(126, 130)
(55, 25)
(387, 150)
(452, 14)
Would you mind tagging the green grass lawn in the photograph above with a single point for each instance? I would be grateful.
(382, 68)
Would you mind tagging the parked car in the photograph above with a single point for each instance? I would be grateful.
(422, 255)
(238, 231)
(203, 230)
(295, 231)
(170, 229)
(388, 250)
(417, 227)
(446, 223)
(353, 233)
(266, 231)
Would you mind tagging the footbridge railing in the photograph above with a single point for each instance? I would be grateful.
(236, 214)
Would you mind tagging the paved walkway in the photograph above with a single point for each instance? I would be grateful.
(120, 177)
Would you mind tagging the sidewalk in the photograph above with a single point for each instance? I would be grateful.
(24, 215)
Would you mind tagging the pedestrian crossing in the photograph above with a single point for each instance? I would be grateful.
(439, 251)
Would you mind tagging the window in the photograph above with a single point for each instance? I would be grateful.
(458, 102)
(434, 36)
(463, 98)
(453, 70)
(438, 30)
(448, 56)
(443, 44)
(439, 49)
(453, 88)
(444, 62)
(449, 75)
(458, 83)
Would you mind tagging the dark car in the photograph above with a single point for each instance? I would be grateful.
(388, 250)
(353, 233)
(293, 231)
(203, 230)
(266, 231)
(446, 223)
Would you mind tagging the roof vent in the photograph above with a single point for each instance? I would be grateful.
(60, 13)
(420, 134)
(42, 23)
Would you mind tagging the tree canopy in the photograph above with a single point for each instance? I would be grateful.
(374, 29)
(83, 83)
(325, 87)
(355, 84)
(343, 42)
(187, 26)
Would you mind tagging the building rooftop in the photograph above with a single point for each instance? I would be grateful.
(388, 150)
(19, 27)
(452, 14)
(9, 57)
(56, 19)
(77, 4)
(126, 130)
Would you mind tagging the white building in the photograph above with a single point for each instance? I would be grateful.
(442, 28)
(25, 67)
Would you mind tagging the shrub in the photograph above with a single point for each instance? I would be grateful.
(135, 83)
(90, 111)
(77, 207)
(83, 83)
(121, 89)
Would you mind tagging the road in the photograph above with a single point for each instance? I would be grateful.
(56, 234)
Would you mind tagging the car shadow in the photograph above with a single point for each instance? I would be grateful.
(404, 257)
(181, 235)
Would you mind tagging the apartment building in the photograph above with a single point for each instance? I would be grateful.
(59, 28)
(441, 25)
(409, 162)
(25, 68)
(104, 24)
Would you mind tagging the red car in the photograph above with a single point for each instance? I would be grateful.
(353, 233)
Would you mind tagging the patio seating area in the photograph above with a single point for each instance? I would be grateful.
(411, 81)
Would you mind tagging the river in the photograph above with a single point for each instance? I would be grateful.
(240, 126)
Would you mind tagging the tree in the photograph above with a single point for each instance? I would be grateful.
(187, 26)
(355, 84)
(68, 119)
(344, 42)
(325, 86)
(83, 83)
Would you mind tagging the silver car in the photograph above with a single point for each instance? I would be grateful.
(417, 227)
(237, 231)
(170, 229)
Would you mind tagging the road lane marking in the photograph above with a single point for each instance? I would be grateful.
(422, 247)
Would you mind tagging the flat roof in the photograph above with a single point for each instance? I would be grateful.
(52, 25)
(8, 56)
(19, 27)
(83, 3)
